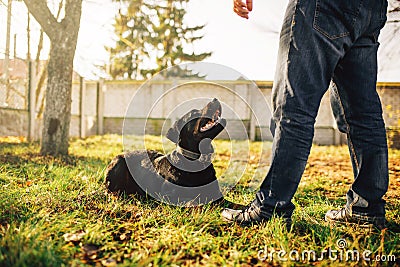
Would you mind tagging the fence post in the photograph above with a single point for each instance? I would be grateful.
(82, 96)
(100, 107)
(31, 102)
(251, 101)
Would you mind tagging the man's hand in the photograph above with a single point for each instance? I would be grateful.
(242, 9)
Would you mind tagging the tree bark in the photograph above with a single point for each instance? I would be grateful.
(63, 36)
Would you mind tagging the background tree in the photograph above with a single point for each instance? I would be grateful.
(152, 37)
(63, 36)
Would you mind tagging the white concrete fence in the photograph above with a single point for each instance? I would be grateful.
(150, 108)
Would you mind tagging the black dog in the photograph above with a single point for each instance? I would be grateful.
(186, 176)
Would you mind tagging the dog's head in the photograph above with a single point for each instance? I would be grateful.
(197, 128)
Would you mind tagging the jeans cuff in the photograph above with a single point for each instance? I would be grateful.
(360, 206)
(267, 202)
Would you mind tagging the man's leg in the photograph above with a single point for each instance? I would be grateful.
(354, 91)
(315, 40)
(306, 62)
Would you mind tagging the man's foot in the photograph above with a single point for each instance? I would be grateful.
(252, 214)
(343, 215)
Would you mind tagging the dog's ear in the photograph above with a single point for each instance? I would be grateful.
(173, 133)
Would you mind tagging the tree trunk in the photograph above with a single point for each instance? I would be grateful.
(63, 36)
(57, 114)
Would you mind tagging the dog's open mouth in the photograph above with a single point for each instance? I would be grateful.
(216, 118)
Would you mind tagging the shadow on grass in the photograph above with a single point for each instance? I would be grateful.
(36, 158)
(31, 182)
(393, 227)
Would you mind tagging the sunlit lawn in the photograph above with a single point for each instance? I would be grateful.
(56, 212)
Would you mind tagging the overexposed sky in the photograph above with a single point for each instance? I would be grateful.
(248, 46)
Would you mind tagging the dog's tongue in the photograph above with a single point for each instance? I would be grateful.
(209, 125)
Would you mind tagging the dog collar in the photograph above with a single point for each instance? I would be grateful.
(194, 155)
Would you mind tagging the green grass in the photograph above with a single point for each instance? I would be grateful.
(56, 212)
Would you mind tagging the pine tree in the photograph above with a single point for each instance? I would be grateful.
(152, 37)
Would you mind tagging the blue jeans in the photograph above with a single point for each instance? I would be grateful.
(323, 41)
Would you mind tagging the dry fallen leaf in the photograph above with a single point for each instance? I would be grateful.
(90, 251)
(109, 262)
(74, 237)
(122, 237)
